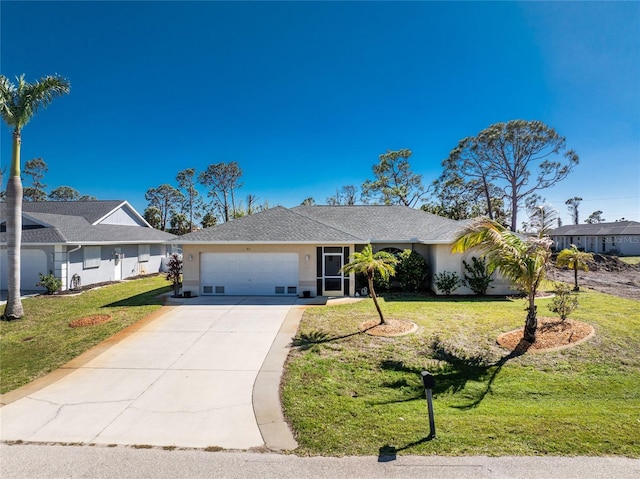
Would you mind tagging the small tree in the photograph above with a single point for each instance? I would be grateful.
(369, 263)
(447, 282)
(412, 271)
(477, 276)
(574, 259)
(563, 303)
(175, 272)
(50, 282)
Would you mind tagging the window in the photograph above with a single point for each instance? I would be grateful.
(91, 257)
(144, 252)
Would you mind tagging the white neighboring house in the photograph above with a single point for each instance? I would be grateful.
(620, 238)
(300, 250)
(83, 243)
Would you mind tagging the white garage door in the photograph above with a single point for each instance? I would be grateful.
(32, 263)
(257, 274)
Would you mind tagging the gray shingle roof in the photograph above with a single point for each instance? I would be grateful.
(339, 224)
(73, 223)
(599, 229)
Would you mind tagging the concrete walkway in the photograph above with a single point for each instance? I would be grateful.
(184, 377)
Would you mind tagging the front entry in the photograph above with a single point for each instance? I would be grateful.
(331, 280)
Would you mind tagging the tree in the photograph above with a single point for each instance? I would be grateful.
(222, 179)
(179, 224)
(542, 216)
(505, 154)
(36, 169)
(595, 217)
(167, 200)
(308, 202)
(18, 104)
(395, 183)
(208, 220)
(64, 193)
(347, 195)
(174, 273)
(368, 263)
(153, 216)
(574, 259)
(87, 198)
(573, 204)
(186, 181)
(522, 260)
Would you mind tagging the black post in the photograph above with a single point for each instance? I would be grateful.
(429, 383)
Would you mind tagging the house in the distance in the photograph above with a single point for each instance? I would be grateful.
(620, 238)
(83, 243)
(300, 250)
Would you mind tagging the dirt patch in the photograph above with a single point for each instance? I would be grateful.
(392, 327)
(606, 274)
(90, 320)
(552, 334)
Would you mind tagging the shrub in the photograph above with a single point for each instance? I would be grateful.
(175, 272)
(50, 282)
(447, 281)
(564, 302)
(412, 271)
(477, 276)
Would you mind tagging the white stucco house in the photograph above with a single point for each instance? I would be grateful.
(298, 251)
(83, 243)
(620, 238)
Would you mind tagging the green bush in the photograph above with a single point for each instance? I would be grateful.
(50, 282)
(477, 276)
(564, 302)
(412, 271)
(447, 281)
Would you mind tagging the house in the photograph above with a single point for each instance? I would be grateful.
(300, 250)
(621, 238)
(83, 243)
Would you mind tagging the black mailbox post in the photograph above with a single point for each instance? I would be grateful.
(429, 383)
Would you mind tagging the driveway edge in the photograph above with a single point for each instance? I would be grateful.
(266, 389)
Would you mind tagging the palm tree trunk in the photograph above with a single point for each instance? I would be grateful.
(375, 299)
(13, 309)
(531, 325)
(575, 272)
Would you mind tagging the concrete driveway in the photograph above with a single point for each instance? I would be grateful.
(183, 378)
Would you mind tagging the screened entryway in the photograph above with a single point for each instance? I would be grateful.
(331, 281)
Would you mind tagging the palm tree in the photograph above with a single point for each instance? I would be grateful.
(368, 263)
(18, 104)
(575, 260)
(522, 260)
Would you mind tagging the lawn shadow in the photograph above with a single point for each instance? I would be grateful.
(147, 298)
(388, 453)
(455, 371)
(305, 341)
(433, 298)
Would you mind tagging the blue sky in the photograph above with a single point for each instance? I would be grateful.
(305, 96)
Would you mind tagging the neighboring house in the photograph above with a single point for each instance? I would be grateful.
(83, 243)
(619, 238)
(300, 250)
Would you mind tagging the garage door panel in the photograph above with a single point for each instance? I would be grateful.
(249, 273)
(32, 263)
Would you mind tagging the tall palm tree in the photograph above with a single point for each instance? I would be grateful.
(522, 260)
(574, 259)
(18, 104)
(368, 262)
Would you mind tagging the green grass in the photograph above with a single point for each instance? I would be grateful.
(630, 259)
(42, 340)
(347, 393)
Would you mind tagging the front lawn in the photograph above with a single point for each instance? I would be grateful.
(347, 393)
(43, 341)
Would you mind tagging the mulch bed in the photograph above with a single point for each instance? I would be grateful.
(392, 327)
(90, 320)
(552, 334)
